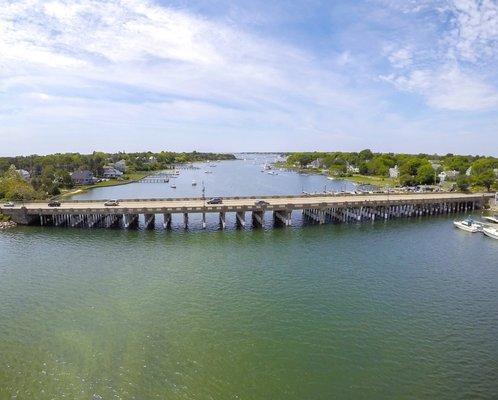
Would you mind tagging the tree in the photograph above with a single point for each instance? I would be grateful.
(463, 183)
(14, 187)
(425, 174)
(486, 179)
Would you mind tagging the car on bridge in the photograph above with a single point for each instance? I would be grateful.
(54, 203)
(111, 203)
(9, 204)
(261, 203)
(215, 200)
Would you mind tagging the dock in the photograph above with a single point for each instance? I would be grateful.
(317, 208)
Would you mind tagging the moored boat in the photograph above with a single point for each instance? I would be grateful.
(490, 232)
(493, 218)
(468, 225)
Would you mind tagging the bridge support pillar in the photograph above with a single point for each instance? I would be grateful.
(167, 221)
(283, 217)
(258, 219)
(222, 220)
(149, 219)
(241, 219)
(203, 220)
(185, 220)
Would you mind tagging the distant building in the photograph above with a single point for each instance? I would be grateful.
(315, 164)
(24, 174)
(84, 177)
(469, 171)
(394, 172)
(352, 169)
(120, 165)
(448, 175)
(435, 164)
(496, 172)
(111, 172)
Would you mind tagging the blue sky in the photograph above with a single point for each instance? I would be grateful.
(402, 76)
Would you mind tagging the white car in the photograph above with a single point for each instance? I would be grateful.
(9, 204)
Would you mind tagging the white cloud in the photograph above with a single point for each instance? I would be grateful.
(448, 88)
(454, 67)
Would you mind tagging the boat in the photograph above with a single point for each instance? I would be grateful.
(468, 225)
(490, 232)
(208, 172)
(194, 183)
(173, 186)
(493, 219)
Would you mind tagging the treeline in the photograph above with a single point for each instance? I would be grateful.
(417, 169)
(51, 173)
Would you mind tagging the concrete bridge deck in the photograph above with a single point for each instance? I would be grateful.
(319, 207)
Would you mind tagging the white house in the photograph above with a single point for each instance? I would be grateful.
(315, 164)
(111, 172)
(24, 174)
(394, 172)
(469, 171)
(448, 175)
(352, 169)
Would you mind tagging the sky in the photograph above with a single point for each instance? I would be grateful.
(249, 75)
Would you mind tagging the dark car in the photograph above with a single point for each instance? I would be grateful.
(261, 203)
(215, 200)
(54, 203)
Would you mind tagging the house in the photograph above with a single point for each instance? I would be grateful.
(315, 164)
(435, 164)
(394, 172)
(352, 169)
(84, 177)
(469, 171)
(111, 172)
(120, 165)
(24, 174)
(448, 175)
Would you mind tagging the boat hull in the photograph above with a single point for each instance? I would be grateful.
(492, 233)
(466, 228)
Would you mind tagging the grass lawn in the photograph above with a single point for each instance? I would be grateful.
(381, 181)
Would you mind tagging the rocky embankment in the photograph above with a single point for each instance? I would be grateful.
(7, 224)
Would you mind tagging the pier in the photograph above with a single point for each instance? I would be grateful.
(318, 208)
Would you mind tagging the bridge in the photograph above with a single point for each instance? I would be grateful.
(318, 208)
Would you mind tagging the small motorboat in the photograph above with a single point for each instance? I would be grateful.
(173, 186)
(468, 225)
(493, 219)
(194, 183)
(490, 232)
(208, 172)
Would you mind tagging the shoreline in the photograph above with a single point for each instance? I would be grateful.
(374, 180)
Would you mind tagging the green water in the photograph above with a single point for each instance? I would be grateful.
(402, 310)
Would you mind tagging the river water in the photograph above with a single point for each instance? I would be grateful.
(400, 309)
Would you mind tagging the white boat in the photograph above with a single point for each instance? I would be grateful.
(194, 183)
(468, 225)
(173, 186)
(491, 232)
(493, 219)
(208, 172)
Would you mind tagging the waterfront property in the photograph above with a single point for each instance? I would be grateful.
(319, 208)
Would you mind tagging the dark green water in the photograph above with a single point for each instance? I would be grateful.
(400, 310)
